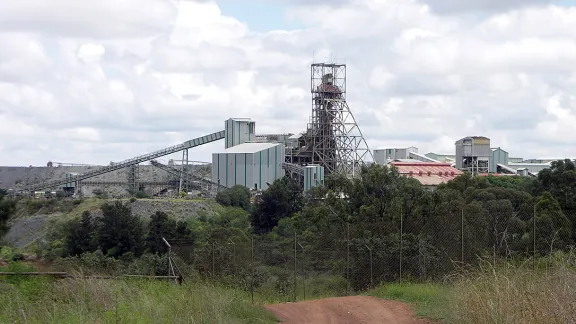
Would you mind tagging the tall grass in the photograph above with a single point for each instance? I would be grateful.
(41, 300)
(430, 300)
(517, 294)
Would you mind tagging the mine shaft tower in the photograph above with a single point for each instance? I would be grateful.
(333, 138)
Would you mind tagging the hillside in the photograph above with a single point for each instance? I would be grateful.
(33, 217)
(20, 177)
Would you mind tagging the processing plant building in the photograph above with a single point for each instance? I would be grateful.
(473, 154)
(253, 165)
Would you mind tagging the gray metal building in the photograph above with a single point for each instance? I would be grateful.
(383, 156)
(446, 158)
(473, 154)
(313, 176)
(499, 156)
(252, 165)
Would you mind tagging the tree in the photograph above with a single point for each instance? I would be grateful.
(282, 199)
(553, 228)
(80, 236)
(182, 232)
(560, 181)
(159, 227)
(119, 231)
(7, 208)
(237, 196)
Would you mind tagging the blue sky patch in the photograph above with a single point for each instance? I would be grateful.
(260, 15)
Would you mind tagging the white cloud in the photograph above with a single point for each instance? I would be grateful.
(103, 19)
(109, 80)
(459, 6)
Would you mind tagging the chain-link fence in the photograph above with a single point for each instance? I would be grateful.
(345, 258)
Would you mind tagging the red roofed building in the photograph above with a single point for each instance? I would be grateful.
(429, 174)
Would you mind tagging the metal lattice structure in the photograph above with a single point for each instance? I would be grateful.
(133, 177)
(333, 138)
(187, 179)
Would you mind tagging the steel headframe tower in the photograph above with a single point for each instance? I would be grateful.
(333, 138)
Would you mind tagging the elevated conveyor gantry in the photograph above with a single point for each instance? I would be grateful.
(136, 160)
(205, 184)
(293, 168)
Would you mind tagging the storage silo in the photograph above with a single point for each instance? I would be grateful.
(473, 154)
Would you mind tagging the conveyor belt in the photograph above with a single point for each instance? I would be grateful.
(136, 160)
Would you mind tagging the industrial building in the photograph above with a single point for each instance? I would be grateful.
(429, 174)
(473, 154)
(445, 158)
(409, 154)
(382, 156)
(332, 142)
(313, 176)
(253, 165)
(238, 131)
(499, 158)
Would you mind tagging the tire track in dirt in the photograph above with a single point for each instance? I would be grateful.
(340, 310)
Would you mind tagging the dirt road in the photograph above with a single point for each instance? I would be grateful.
(349, 310)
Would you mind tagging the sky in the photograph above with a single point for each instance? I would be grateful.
(101, 81)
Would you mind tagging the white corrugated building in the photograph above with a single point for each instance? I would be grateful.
(238, 131)
(248, 164)
(313, 176)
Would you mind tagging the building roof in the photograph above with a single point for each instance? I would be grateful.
(525, 164)
(427, 173)
(408, 161)
(396, 148)
(441, 154)
(498, 148)
(498, 175)
(249, 148)
(474, 138)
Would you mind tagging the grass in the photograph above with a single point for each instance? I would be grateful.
(516, 294)
(41, 300)
(430, 300)
(502, 293)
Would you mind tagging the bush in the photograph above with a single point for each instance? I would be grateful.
(6, 253)
(18, 257)
(237, 196)
(142, 195)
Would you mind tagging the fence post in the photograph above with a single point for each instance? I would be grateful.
(252, 268)
(303, 269)
(233, 257)
(294, 271)
(401, 241)
(534, 239)
(462, 239)
(348, 258)
(213, 259)
(371, 267)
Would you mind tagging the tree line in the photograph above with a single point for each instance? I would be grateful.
(380, 216)
(118, 232)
